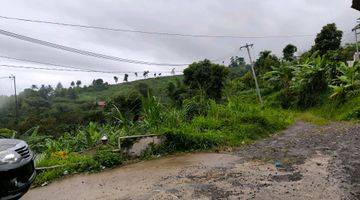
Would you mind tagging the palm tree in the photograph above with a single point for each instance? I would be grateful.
(126, 76)
(116, 79)
(78, 83)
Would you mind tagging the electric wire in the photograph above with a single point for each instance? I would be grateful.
(84, 52)
(154, 32)
(75, 70)
(78, 68)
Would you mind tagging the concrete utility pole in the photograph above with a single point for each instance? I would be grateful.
(16, 99)
(356, 40)
(247, 46)
(355, 29)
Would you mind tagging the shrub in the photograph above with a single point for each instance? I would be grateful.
(195, 106)
(353, 114)
(231, 124)
(309, 82)
(7, 133)
(107, 158)
(68, 164)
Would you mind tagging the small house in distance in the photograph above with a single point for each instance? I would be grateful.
(356, 5)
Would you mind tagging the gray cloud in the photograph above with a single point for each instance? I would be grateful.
(245, 17)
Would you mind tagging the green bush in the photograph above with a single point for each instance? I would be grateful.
(195, 106)
(107, 158)
(7, 133)
(65, 164)
(228, 124)
(353, 114)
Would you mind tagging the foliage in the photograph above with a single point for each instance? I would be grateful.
(328, 39)
(68, 164)
(107, 158)
(126, 77)
(195, 106)
(153, 112)
(265, 62)
(348, 82)
(206, 76)
(237, 72)
(288, 52)
(309, 82)
(116, 79)
(231, 124)
(176, 92)
(144, 89)
(281, 76)
(129, 106)
(7, 133)
(237, 61)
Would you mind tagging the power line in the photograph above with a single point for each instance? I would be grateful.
(75, 70)
(154, 32)
(44, 68)
(43, 63)
(84, 52)
(69, 67)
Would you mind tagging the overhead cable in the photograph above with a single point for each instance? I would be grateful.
(155, 32)
(84, 52)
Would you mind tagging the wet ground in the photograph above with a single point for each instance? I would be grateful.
(303, 162)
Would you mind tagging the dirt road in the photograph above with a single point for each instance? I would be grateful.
(303, 162)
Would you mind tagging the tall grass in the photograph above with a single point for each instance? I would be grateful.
(230, 124)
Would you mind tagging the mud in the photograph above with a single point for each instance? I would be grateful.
(302, 162)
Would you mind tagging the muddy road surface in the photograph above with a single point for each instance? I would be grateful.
(302, 162)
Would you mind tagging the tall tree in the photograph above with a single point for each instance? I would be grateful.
(289, 51)
(265, 62)
(126, 76)
(72, 83)
(116, 79)
(59, 90)
(78, 83)
(98, 82)
(328, 39)
(206, 76)
(59, 86)
(237, 61)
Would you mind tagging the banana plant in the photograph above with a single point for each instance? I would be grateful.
(281, 76)
(348, 82)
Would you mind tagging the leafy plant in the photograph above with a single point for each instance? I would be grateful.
(206, 76)
(107, 158)
(348, 82)
(309, 81)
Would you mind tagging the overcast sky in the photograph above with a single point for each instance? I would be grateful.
(215, 17)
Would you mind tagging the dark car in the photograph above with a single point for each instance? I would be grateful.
(17, 170)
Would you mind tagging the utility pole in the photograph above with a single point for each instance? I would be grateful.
(248, 46)
(16, 99)
(355, 29)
